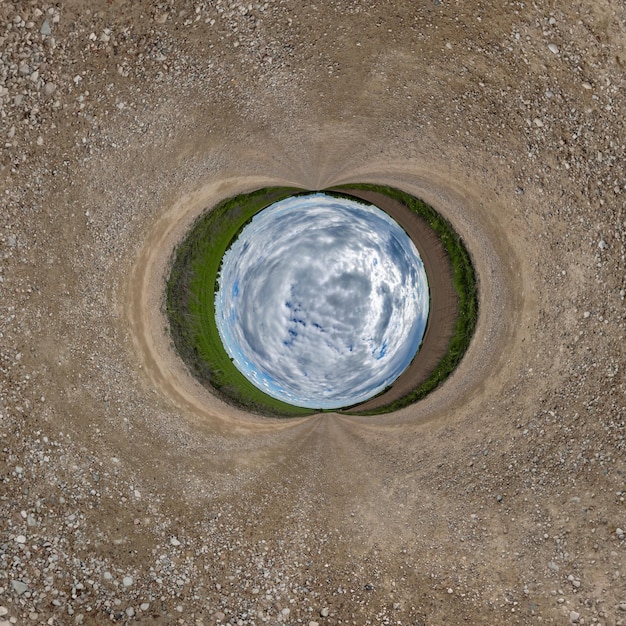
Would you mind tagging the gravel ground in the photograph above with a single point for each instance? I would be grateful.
(130, 495)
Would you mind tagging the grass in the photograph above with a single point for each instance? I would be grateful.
(464, 279)
(192, 284)
(190, 301)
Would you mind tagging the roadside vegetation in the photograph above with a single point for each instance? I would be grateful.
(190, 302)
(193, 282)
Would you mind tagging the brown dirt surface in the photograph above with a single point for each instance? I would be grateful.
(130, 494)
(442, 315)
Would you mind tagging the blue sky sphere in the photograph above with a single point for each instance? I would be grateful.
(322, 301)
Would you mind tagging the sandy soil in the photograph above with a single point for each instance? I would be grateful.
(131, 494)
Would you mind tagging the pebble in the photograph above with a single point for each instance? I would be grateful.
(174, 541)
(553, 48)
(622, 606)
(314, 624)
(574, 616)
(19, 587)
(3, 611)
(127, 581)
(49, 89)
(46, 28)
(324, 612)
(620, 533)
(20, 539)
(130, 611)
(144, 606)
(602, 244)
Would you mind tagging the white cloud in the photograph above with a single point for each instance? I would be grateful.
(323, 301)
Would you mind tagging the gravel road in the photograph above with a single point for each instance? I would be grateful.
(131, 495)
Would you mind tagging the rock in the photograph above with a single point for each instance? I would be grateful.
(20, 539)
(285, 612)
(620, 533)
(144, 606)
(602, 244)
(574, 616)
(553, 48)
(324, 612)
(19, 587)
(174, 541)
(553, 566)
(314, 624)
(127, 581)
(49, 89)
(622, 606)
(130, 611)
(45, 28)
(3, 611)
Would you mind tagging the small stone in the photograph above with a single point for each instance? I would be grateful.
(127, 581)
(586, 85)
(285, 612)
(130, 611)
(586, 314)
(314, 624)
(574, 616)
(602, 244)
(107, 576)
(324, 612)
(23, 69)
(553, 566)
(45, 28)
(144, 606)
(219, 616)
(49, 89)
(499, 498)
(620, 533)
(621, 607)
(553, 48)
(20, 539)
(3, 611)
(19, 587)
(538, 123)
(174, 541)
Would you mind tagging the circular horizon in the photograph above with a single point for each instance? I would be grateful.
(322, 301)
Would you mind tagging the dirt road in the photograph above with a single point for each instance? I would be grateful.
(131, 494)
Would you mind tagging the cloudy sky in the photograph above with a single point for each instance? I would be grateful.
(322, 301)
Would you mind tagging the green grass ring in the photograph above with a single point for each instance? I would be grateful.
(192, 283)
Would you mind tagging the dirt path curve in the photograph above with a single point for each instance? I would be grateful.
(443, 298)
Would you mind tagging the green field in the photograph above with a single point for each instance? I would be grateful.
(190, 301)
(192, 284)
